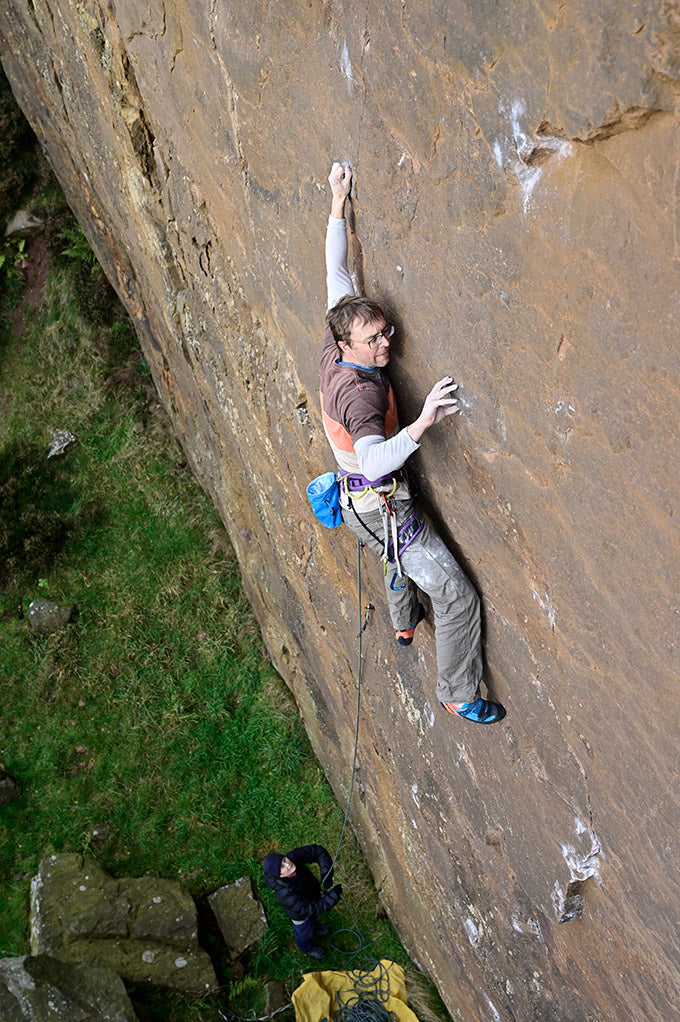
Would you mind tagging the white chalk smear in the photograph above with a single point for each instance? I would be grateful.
(546, 606)
(582, 867)
(518, 150)
(493, 1009)
(346, 67)
(472, 932)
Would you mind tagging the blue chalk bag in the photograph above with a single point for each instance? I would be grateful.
(324, 496)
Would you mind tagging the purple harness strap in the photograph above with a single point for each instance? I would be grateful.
(359, 482)
(411, 528)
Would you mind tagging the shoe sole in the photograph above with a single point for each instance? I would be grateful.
(401, 638)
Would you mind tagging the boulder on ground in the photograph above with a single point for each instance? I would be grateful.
(23, 224)
(276, 996)
(43, 989)
(240, 917)
(45, 616)
(144, 929)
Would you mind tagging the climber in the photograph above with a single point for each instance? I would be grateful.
(299, 892)
(360, 419)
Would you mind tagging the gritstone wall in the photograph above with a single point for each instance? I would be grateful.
(517, 211)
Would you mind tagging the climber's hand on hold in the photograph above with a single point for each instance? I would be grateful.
(340, 180)
(439, 403)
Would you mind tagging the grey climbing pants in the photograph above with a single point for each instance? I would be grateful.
(428, 565)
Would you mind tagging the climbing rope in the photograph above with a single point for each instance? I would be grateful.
(362, 628)
(253, 1018)
(359, 952)
(366, 996)
(366, 999)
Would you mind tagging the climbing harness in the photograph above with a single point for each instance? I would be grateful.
(356, 485)
(396, 538)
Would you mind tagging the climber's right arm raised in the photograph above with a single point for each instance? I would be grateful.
(338, 281)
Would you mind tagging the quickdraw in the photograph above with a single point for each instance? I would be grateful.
(389, 519)
(401, 537)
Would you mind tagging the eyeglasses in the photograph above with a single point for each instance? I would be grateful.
(382, 335)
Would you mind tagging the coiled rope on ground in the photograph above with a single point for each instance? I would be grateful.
(366, 999)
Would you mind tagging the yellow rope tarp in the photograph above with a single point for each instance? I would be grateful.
(315, 998)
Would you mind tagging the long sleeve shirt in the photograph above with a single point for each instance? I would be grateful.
(357, 402)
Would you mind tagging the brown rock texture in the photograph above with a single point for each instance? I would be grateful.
(517, 209)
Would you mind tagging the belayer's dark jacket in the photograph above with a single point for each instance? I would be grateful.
(301, 895)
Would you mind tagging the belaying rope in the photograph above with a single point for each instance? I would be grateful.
(368, 991)
(351, 1013)
(253, 1018)
(362, 628)
(366, 997)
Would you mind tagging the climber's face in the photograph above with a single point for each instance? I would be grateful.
(369, 343)
(287, 867)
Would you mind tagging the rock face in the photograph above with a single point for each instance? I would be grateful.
(42, 989)
(144, 929)
(517, 210)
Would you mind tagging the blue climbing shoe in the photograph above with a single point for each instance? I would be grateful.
(405, 636)
(482, 711)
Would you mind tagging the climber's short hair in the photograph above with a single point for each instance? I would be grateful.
(350, 308)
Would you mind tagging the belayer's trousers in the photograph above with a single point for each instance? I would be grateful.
(430, 566)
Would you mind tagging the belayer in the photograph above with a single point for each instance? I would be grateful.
(299, 892)
(360, 419)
